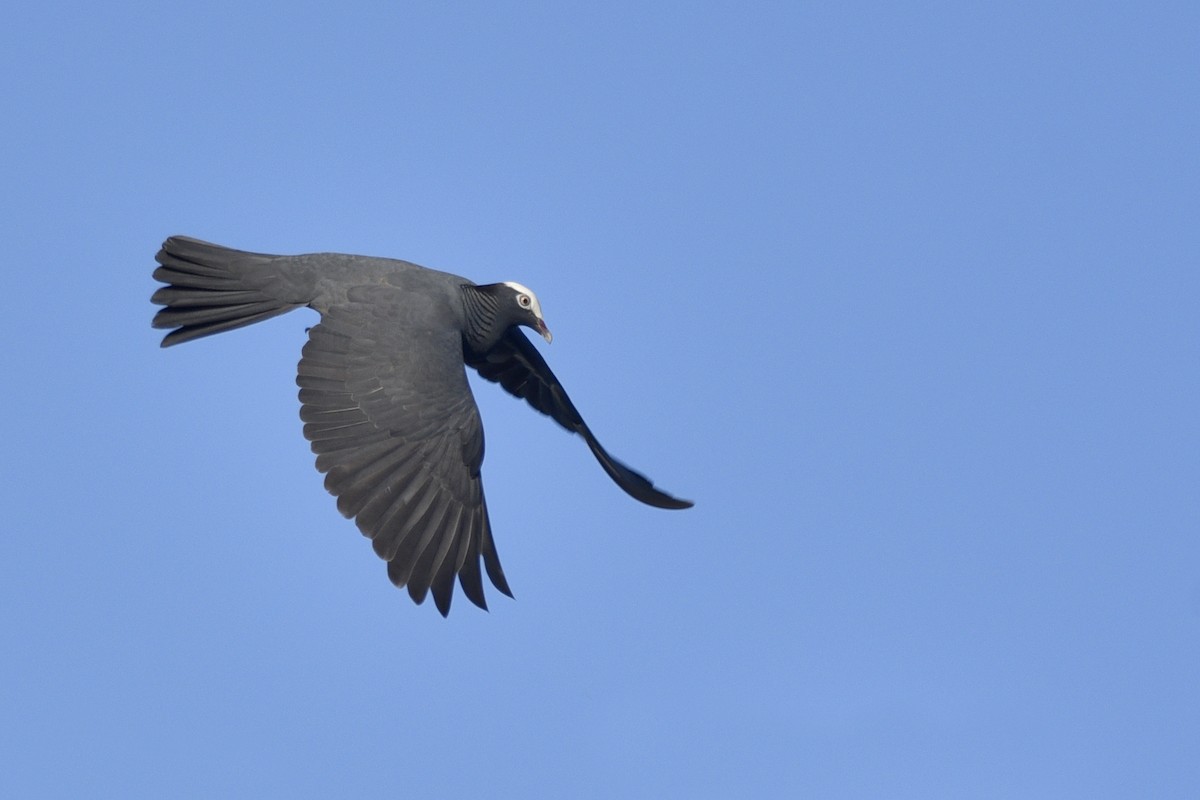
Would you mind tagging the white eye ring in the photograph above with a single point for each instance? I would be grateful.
(526, 299)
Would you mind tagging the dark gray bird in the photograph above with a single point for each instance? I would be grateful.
(384, 395)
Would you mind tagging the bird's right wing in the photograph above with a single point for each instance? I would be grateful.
(516, 364)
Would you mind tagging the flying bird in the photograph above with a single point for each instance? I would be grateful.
(384, 394)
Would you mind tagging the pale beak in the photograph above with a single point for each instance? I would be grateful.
(544, 331)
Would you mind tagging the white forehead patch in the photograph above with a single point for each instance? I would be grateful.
(535, 306)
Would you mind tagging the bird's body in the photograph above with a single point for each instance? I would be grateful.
(384, 393)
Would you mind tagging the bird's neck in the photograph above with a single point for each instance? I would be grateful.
(481, 311)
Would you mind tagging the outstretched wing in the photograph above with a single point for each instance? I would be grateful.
(516, 365)
(398, 436)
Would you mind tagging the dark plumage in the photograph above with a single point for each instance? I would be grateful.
(384, 395)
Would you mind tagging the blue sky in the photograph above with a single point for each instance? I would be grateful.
(904, 296)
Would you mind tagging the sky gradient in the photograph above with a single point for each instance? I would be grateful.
(904, 298)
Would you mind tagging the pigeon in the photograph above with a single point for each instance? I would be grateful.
(384, 396)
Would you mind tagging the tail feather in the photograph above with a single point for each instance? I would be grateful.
(199, 277)
(211, 289)
(174, 296)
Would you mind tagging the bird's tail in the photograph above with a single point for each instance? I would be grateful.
(211, 289)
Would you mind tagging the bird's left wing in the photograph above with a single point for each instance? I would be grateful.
(517, 365)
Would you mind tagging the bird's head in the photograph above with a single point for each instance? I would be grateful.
(494, 308)
(524, 308)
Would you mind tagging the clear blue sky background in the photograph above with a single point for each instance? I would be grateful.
(904, 296)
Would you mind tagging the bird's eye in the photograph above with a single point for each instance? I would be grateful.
(524, 300)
